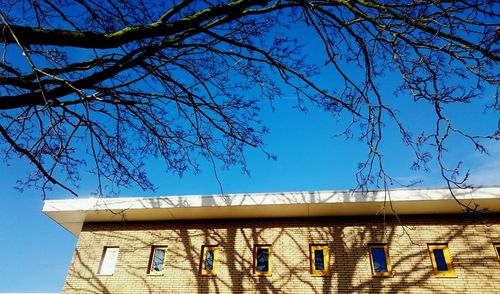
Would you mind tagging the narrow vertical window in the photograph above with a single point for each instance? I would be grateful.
(262, 260)
(379, 260)
(208, 260)
(320, 260)
(108, 261)
(157, 260)
(497, 250)
(441, 260)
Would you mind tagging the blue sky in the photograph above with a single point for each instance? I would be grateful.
(35, 252)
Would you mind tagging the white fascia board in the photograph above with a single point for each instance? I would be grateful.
(72, 213)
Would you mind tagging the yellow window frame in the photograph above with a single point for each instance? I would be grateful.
(496, 246)
(204, 249)
(450, 273)
(269, 260)
(386, 274)
(326, 259)
(151, 260)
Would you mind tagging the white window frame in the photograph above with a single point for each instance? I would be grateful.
(108, 261)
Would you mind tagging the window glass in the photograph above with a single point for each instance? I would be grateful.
(379, 260)
(158, 260)
(108, 261)
(319, 260)
(440, 260)
(209, 260)
(497, 250)
(262, 260)
(262, 264)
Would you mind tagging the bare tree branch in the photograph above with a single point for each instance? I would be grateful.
(101, 85)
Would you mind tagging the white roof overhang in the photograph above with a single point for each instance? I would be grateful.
(72, 213)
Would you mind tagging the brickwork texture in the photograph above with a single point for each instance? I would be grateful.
(470, 241)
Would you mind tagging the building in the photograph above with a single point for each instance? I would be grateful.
(302, 242)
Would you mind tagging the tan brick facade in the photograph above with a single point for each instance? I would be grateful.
(469, 239)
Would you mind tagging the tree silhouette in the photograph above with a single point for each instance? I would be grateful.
(123, 80)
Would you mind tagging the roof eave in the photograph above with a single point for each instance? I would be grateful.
(71, 214)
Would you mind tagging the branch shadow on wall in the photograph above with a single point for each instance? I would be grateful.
(347, 239)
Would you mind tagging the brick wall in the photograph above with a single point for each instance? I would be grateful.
(469, 239)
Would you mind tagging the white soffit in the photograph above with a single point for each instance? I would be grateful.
(72, 213)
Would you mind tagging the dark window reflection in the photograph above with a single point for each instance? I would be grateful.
(379, 261)
(319, 260)
(158, 258)
(262, 260)
(209, 260)
(440, 260)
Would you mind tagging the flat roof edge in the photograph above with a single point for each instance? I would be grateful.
(72, 213)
